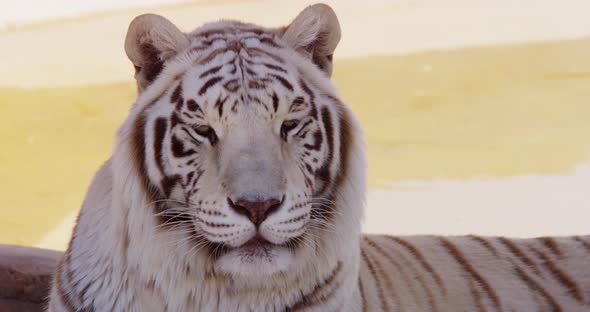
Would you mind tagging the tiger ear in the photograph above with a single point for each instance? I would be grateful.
(315, 33)
(151, 40)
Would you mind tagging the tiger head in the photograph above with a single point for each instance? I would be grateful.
(239, 141)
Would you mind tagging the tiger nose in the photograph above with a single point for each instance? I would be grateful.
(256, 210)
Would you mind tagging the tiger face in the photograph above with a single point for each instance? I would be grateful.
(241, 143)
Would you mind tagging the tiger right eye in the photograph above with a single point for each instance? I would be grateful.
(203, 130)
(206, 131)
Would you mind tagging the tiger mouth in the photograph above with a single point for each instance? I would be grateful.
(257, 247)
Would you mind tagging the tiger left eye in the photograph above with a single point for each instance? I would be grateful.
(289, 125)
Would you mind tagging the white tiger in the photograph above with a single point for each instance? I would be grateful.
(237, 184)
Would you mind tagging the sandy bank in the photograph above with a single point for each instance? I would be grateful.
(524, 206)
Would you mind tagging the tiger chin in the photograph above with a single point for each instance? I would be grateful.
(237, 183)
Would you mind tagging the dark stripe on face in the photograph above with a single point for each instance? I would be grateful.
(193, 106)
(283, 81)
(302, 136)
(234, 107)
(324, 172)
(345, 142)
(210, 42)
(212, 55)
(257, 51)
(232, 85)
(256, 84)
(257, 31)
(152, 192)
(193, 140)
(178, 148)
(211, 32)
(296, 104)
(234, 69)
(219, 105)
(139, 151)
(175, 120)
(309, 169)
(210, 83)
(160, 127)
(234, 46)
(269, 42)
(176, 97)
(275, 102)
(466, 265)
(274, 67)
(196, 180)
(307, 90)
(210, 71)
(189, 177)
(256, 100)
(317, 141)
(249, 71)
(169, 182)
(307, 182)
(418, 255)
(200, 48)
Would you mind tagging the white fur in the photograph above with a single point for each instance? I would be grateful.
(150, 273)
(122, 259)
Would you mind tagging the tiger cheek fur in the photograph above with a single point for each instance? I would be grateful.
(237, 184)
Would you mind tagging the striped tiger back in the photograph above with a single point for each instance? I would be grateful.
(473, 273)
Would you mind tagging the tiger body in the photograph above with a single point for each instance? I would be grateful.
(237, 184)
(473, 273)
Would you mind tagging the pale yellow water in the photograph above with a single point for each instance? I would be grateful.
(491, 111)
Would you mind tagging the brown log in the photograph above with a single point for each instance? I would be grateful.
(25, 277)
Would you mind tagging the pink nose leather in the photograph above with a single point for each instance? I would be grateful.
(256, 211)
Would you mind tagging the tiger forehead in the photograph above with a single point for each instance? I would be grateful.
(235, 35)
(239, 66)
(222, 104)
